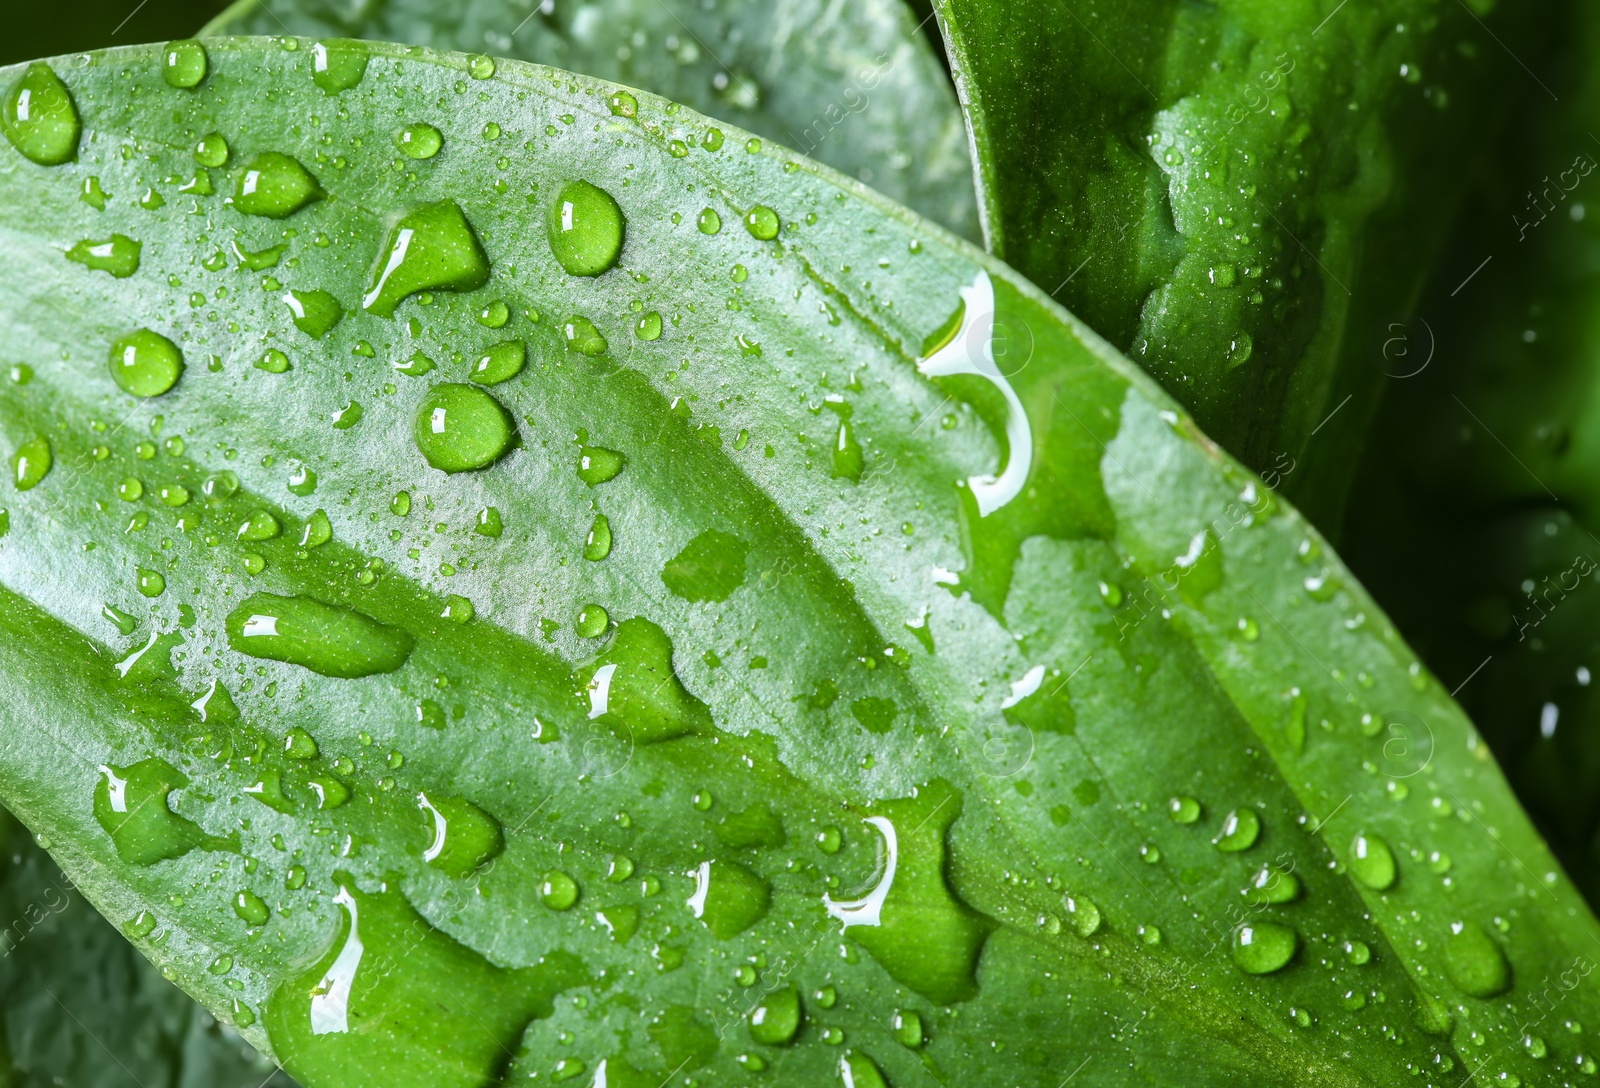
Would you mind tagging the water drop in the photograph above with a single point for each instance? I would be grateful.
(1259, 948)
(460, 427)
(432, 247)
(558, 890)
(1371, 861)
(775, 1020)
(145, 363)
(500, 363)
(419, 140)
(489, 523)
(463, 837)
(480, 66)
(583, 337)
(314, 313)
(593, 621)
(648, 326)
(249, 907)
(586, 229)
(30, 463)
(324, 638)
(597, 545)
(150, 583)
(184, 63)
(132, 805)
(337, 64)
(632, 686)
(709, 221)
(275, 185)
(495, 315)
(1239, 831)
(728, 898)
(709, 568)
(211, 150)
(856, 1070)
(1475, 962)
(118, 255)
(1183, 810)
(762, 222)
(596, 464)
(39, 117)
(1271, 885)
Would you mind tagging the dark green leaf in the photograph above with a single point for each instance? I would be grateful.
(853, 85)
(476, 833)
(1478, 507)
(1225, 193)
(82, 1007)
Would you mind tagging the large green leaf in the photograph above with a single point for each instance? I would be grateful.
(1478, 512)
(853, 85)
(83, 1008)
(943, 711)
(1241, 196)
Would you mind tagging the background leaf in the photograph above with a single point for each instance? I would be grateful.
(1094, 678)
(1220, 192)
(84, 1008)
(855, 85)
(1478, 501)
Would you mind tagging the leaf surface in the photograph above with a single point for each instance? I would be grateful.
(853, 85)
(1223, 194)
(794, 687)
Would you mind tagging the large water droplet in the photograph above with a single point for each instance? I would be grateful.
(145, 363)
(709, 568)
(1475, 961)
(324, 638)
(251, 908)
(337, 64)
(31, 463)
(274, 185)
(392, 993)
(431, 248)
(39, 117)
(776, 1019)
(632, 686)
(419, 140)
(596, 465)
(463, 836)
(586, 229)
(910, 921)
(1259, 948)
(762, 222)
(460, 428)
(1371, 861)
(1240, 828)
(856, 1070)
(728, 898)
(118, 255)
(131, 804)
(184, 63)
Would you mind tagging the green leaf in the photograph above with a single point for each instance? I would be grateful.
(852, 85)
(1476, 519)
(996, 736)
(1220, 191)
(83, 1007)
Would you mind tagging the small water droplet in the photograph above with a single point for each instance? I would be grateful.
(1239, 831)
(762, 222)
(118, 255)
(501, 362)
